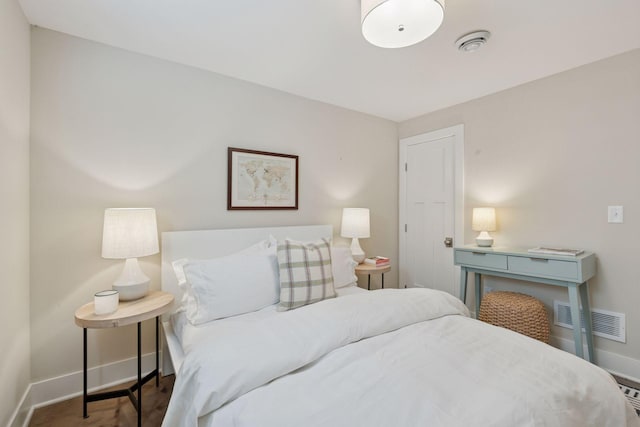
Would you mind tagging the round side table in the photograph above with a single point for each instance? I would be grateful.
(153, 305)
(372, 269)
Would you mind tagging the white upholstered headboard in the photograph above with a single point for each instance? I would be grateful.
(204, 244)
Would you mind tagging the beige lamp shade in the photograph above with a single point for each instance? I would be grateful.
(484, 219)
(129, 233)
(355, 224)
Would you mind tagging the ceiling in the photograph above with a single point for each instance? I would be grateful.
(314, 48)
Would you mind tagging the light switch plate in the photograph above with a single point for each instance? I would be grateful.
(615, 214)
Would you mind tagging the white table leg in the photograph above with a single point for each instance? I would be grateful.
(463, 284)
(588, 327)
(575, 318)
(478, 280)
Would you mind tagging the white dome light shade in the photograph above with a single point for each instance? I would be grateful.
(400, 23)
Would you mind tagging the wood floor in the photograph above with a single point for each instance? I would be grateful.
(109, 413)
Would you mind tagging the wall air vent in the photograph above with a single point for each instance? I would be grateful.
(606, 324)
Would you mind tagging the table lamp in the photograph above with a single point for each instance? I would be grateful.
(355, 224)
(484, 220)
(130, 233)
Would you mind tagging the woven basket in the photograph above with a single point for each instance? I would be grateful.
(518, 312)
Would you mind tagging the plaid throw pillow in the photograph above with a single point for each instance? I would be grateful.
(305, 273)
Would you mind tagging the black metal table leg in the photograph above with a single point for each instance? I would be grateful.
(382, 280)
(84, 373)
(139, 376)
(368, 282)
(85, 318)
(157, 355)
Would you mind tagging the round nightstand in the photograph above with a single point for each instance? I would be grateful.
(372, 269)
(153, 305)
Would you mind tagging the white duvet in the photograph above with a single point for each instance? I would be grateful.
(388, 358)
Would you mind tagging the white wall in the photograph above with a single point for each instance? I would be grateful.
(111, 128)
(551, 155)
(14, 219)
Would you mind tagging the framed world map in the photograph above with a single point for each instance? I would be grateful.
(261, 180)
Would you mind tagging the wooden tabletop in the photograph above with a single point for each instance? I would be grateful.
(128, 312)
(372, 269)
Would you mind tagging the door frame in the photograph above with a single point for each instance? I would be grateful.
(457, 132)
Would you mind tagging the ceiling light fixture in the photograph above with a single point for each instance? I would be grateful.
(400, 23)
(472, 41)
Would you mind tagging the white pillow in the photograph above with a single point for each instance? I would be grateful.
(178, 269)
(343, 267)
(228, 286)
(178, 265)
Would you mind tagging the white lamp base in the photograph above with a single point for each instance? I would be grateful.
(356, 251)
(484, 239)
(132, 283)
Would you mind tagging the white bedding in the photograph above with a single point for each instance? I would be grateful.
(387, 358)
(191, 335)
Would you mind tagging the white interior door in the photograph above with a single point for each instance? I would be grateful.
(431, 208)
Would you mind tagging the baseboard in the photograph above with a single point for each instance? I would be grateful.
(622, 366)
(22, 415)
(64, 387)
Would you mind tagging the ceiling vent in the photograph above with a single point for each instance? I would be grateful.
(472, 41)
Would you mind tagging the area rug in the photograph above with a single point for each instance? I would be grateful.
(633, 394)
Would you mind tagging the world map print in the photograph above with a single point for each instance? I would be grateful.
(264, 180)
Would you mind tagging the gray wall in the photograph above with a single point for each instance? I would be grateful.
(113, 129)
(14, 219)
(551, 155)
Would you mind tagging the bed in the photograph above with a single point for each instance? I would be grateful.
(391, 357)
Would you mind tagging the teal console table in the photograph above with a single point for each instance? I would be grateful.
(566, 271)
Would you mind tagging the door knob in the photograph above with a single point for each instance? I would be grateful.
(448, 242)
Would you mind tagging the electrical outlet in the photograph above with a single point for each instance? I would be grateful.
(615, 214)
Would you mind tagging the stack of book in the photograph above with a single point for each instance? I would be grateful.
(556, 251)
(377, 261)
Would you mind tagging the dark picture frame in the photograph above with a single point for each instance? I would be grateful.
(260, 180)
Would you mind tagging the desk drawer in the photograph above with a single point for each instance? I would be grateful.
(542, 267)
(481, 259)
